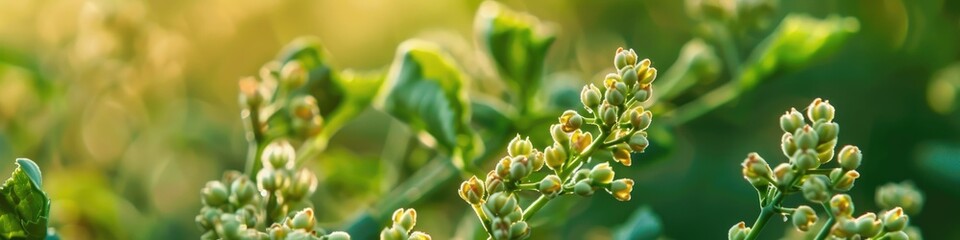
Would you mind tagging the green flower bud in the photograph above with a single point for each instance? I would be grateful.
(756, 170)
(842, 205)
(621, 188)
(520, 167)
(251, 95)
(271, 180)
(503, 167)
(639, 118)
(899, 235)
(849, 157)
(583, 188)
(214, 194)
(590, 97)
(570, 120)
(243, 191)
(494, 183)
(581, 174)
(788, 146)
(304, 107)
(620, 59)
(806, 159)
(612, 77)
(501, 228)
(804, 217)
(894, 220)
(230, 227)
(536, 159)
(579, 141)
(825, 151)
(405, 218)
(649, 75)
(846, 227)
(629, 75)
(393, 233)
(826, 131)
(555, 156)
(638, 142)
(208, 215)
(816, 188)
(559, 136)
(806, 137)
(551, 185)
(791, 120)
(338, 235)
(303, 220)
(602, 173)
(820, 110)
(519, 230)
(302, 184)
(472, 191)
(608, 114)
(500, 204)
(621, 154)
(739, 231)
(868, 225)
(904, 195)
(293, 75)
(519, 147)
(279, 155)
(643, 94)
(247, 215)
(846, 181)
(783, 174)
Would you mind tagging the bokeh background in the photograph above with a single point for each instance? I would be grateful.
(129, 107)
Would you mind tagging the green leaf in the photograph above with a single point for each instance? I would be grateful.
(425, 89)
(518, 44)
(643, 224)
(24, 207)
(323, 81)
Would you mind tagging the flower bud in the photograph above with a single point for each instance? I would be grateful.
(806, 159)
(519, 230)
(826, 131)
(581, 174)
(894, 220)
(579, 141)
(846, 181)
(639, 118)
(494, 183)
(503, 167)
(590, 97)
(550, 185)
(520, 167)
(418, 235)
(393, 233)
(846, 227)
(339, 235)
(806, 137)
(555, 156)
(638, 142)
(302, 184)
(405, 218)
(500, 204)
(608, 114)
(739, 231)
(620, 59)
(602, 173)
(643, 67)
(904, 195)
(868, 225)
(643, 94)
(243, 191)
(251, 96)
(804, 217)
(247, 215)
(271, 180)
(536, 159)
(787, 144)
(825, 151)
(816, 188)
(279, 155)
(820, 110)
(519, 147)
(302, 220)
(629, 75)
(614, 97)
(648, 77)
(621, 154)
(304, 107)
(293, 75)
(849, 157)
(783, 174)
(842, 205)
(472, 191)
(583, 188)
(214, 194)
(570, 120)
(899, 235)
(621, 188)
(559, 136)
(756, 170)
(791, 121)
(229, 227)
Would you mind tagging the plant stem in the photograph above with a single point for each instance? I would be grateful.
(483, 218)
(256, 142)
(828, 225)
(765, 213)
(543, 199)
(535, 206)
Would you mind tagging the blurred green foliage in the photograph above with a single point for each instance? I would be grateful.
(129, 107)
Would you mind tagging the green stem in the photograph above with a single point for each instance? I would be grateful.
(825, 230)
(256, 143)
(484, 219)
(535, 206)
(528, 186)
(765, 213)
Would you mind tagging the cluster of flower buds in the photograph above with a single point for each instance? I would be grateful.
(904, 195)
(301, 226)
(505, 217)
(231, 208)
(278, 101)
(892, 223)
(403, 221)
(287, 188)
(586, 181)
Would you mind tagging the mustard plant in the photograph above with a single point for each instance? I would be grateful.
(809, 145)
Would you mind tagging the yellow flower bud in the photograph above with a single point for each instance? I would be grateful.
(472, 191)
(555, 156)
(580, 141)
(519, 147)
(846, 181)
(804, 217)
(602, 173)
(621, 188)
(756, 170)
(849, 157)
(405, 218)
(739, 231)
(570, 120)
(842, 205)
(550, 185)
(894, 220)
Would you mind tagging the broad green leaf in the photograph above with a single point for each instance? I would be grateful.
(643, 224)
(425, 89)
(518, 44)
(324, 82)
(798, 40)
(24, 207)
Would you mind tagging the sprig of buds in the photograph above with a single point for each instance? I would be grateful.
(809, 145)
(402, 228)
(621, 122)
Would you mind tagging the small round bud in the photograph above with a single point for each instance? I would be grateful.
(302, 220)
(583, 188)
(393, 233)
(293, 75)
(555, 156)
(783, 174)
(629, 75)
(472, 191)
(243, 191)
(904, 195)
(271, 180)
(251, 96)
(868, 225)
(788, 145)
(739, 231)
(806, 159)
(608, 114)
(756, 170)
(631, 57)
(570, 120)
(214, 194)
(519, 147)
(849, 157)
(621, 154)
(581, 174)
(650, 75)
(638, 142)
(304, 107)
(279, 155)
(229, 227)
(520, 167)
(846, 181)
(620, 59)
(614, 97)
(791, 120)
(621, 188)
(536, 160)
(816, 188)
(820, 110)
(339, 235)
(899, 235)
(590, 97)
(302, 184)
(842, 205)
(826, 131)
(602, 173)
(500, 204)
(519, 230)
(846, 227)
(804, 217)
(550, 185)
(894, 220)
(806, 137)
(405, 218)
(559, 136)
(643, 94)
(494, 183)
(579, 141)
(639, 118)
